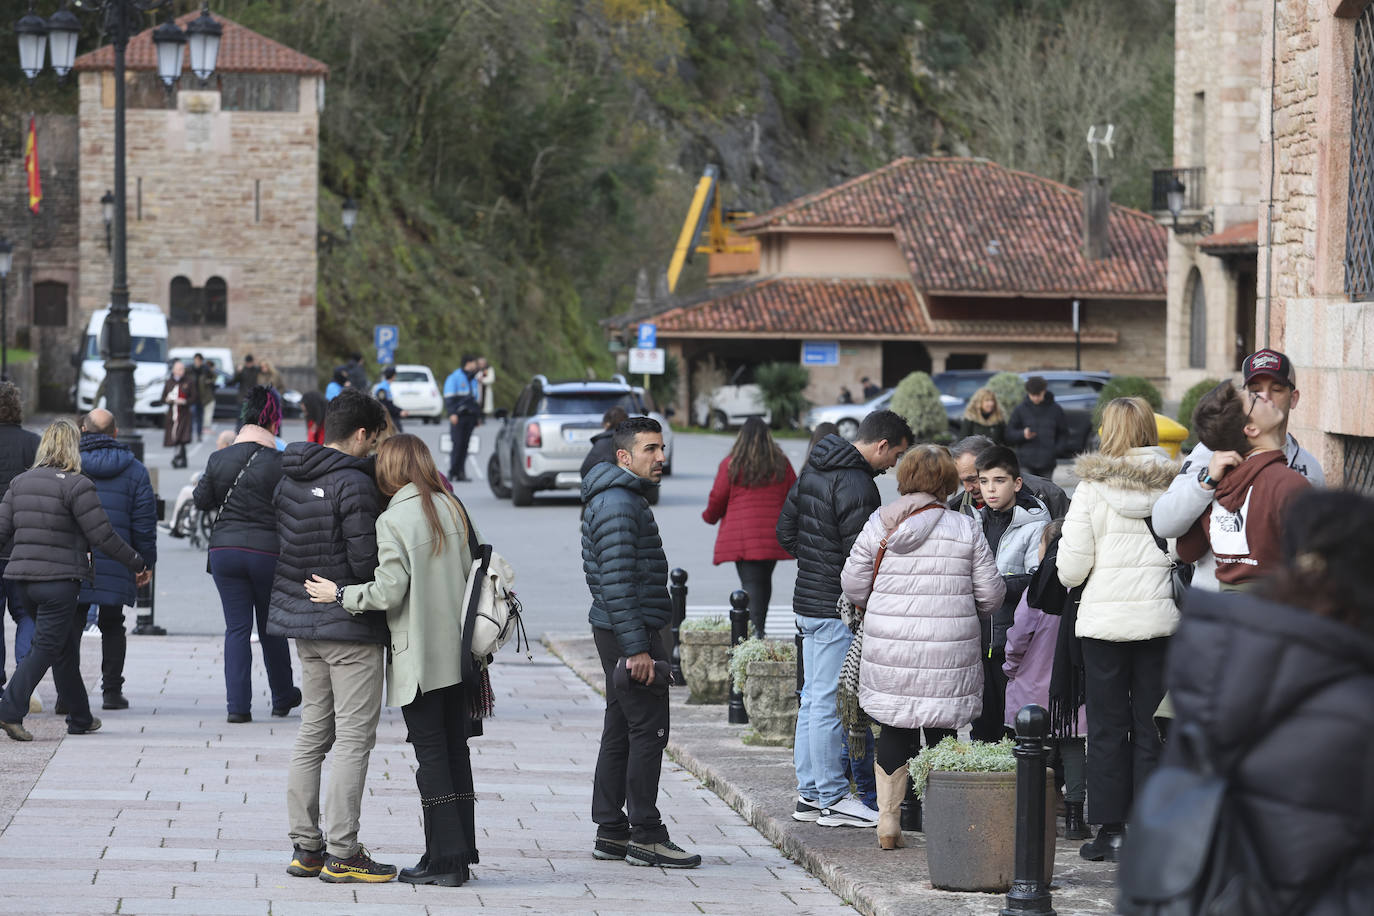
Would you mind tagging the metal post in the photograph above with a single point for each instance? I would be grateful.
(739, 632)
(801, 670)
(4, 330)
(144, 624)
(1077, 339)
(677, 594)
(1030, 885)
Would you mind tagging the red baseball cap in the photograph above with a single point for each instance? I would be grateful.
(1269, 362)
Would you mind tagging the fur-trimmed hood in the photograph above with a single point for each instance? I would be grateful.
(1132, 482)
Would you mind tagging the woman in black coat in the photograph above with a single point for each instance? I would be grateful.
(53, 515)
(1280, 688)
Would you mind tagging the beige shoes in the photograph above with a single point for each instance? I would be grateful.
(891, 792)
(35, 704)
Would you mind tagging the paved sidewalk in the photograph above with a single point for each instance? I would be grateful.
(760, 783)
(170, 810)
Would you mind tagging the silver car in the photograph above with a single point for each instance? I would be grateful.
(846, 416)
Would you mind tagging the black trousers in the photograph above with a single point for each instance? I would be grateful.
(114, 645)
(991, 724)
(56, 645)
(895, 746)
(632, 742)
(1124, 683)
(756, 578)
(437, 723)
(460, 434)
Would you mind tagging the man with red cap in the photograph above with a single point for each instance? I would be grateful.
(1268, 374)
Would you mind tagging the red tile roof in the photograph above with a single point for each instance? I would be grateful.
(1239, 236)
(969, 225)
(241, 50)
(842, 309)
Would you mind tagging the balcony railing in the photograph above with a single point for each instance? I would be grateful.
(1194, 182)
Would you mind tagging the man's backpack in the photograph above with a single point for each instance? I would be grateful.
(492, 609)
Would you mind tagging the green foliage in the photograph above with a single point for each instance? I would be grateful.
(1126, 386)
(1009, 389)
(918, 400)
(1189, 404)
(781, 386)
(713, 622)
(754, 649)
(955, 756)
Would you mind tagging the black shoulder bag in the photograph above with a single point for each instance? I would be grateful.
(1180, 573)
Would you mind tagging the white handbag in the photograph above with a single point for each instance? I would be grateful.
(493, 610)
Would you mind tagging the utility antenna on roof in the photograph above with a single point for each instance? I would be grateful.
(1103, 140)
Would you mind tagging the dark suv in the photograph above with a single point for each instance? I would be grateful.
(1076, 392)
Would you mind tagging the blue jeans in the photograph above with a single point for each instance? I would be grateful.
(244, 580)
(819, 746)
(861, 771)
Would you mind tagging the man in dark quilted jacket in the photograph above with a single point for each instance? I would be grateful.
(627, 573)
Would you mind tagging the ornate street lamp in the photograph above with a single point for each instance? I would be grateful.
(1174, 196)
(204, 33)
(349, 212)
(121, 20)
(107, 210)
(6, 260)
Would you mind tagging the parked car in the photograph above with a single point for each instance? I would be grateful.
(226, 390)
(541, 443)
(147, 349)
(846, 416)
(732, 403)
(1076, 392)
(956, 386)
(417, 393)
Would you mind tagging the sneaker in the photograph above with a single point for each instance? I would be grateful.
(78, 730)
(806, 810)
(663, 855)
(848, 812)
(35, 704)
(114, 700)
(358, 867)
(305, 863)
(16, 730)
(609, 848)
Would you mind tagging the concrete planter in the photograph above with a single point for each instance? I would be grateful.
(770, 698)
(970, 826)
(706, 664)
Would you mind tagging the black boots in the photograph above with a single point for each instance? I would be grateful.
(1106, 846)
(179, 459)
(911, 809)
(1074, 828)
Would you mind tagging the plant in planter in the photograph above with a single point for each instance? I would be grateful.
(704, 646)
(765, 671)
(968, 789)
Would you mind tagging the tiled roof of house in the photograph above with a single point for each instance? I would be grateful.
(842, 309)
(1239, 236)
(241, 50)
(969, 225)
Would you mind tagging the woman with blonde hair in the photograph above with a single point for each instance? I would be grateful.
(924, 575)
(53, 514)
(423, 561)
(983, 417)
(1126, 613)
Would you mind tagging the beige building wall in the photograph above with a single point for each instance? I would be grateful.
(1308, 314)
(858, 358)
(210, 193)
(825, 254)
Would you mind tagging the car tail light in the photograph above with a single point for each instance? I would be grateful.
(533, 437)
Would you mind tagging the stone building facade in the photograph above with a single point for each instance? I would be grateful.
(1316, 298)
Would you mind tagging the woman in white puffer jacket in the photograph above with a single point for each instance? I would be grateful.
(921, 664)
(1126, 613)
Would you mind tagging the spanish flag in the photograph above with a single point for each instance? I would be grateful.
(31, 167)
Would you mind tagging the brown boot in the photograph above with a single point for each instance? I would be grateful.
(891, 791)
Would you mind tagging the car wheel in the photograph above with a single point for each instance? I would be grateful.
(719, 421)
(498, 487)
(848, 428)
(521, 493)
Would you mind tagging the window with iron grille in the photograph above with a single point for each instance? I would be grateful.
(204, 305)
(1197, 322)
(1358, 463)
(1359, 233)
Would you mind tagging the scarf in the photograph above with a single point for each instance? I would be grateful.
(1067, 684)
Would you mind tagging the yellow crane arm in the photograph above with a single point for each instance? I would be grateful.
(691, 227)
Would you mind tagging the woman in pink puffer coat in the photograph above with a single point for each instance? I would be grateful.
(921, 665)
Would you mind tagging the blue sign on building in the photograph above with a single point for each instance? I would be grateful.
(820, 353)
(648, 336)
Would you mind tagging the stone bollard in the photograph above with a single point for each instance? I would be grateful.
(1030, 885)
(677, 594)
(739, 632)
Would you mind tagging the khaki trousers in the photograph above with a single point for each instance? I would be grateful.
(341, 701)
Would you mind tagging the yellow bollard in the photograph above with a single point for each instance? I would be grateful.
(1171, 435)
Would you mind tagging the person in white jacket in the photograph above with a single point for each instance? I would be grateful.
(925, 574)
(1126, 613)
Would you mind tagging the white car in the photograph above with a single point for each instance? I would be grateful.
(417, 393)
(732, 403)
(847, 416)
(147, 349)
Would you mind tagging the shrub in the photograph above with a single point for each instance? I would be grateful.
(781, 386)
(754, 649)
(952, 755)
(1189, 404)
(1126, 386)
(1010, 390)
(714, 622)
(918, 400)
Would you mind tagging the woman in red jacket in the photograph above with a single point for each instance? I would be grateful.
(751, 486)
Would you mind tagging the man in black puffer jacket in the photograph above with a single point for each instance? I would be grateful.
(1038, 429)
(627, 573)
(327, 507)
(820, 521)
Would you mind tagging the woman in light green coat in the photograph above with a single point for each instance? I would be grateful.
(423, 560)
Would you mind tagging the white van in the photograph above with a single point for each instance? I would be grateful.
(147, 348)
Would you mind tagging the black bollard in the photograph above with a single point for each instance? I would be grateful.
(1030, 885)
(739, 632)
(677, 594)
(801, 671)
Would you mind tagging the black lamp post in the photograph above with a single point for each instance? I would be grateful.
(1175, 198)
(121, 20)
(6, 260)
(107, 211)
